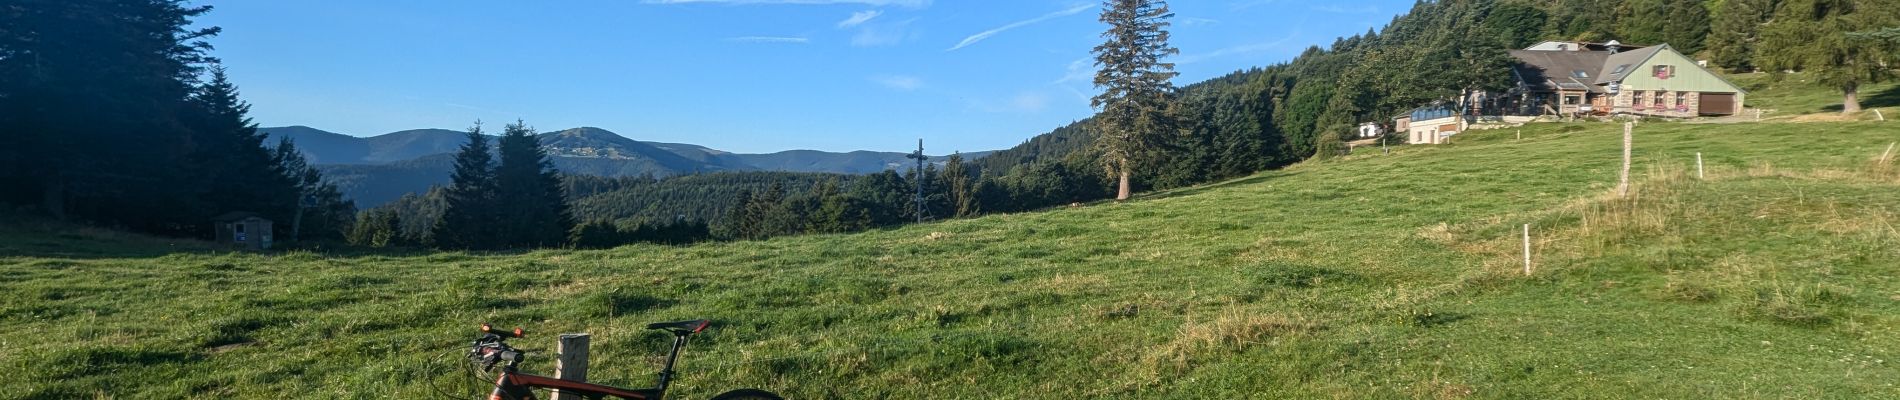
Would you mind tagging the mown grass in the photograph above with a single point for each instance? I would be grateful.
(1790, 95)
(1372, 276)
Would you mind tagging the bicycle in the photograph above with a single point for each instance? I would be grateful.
(492, 349)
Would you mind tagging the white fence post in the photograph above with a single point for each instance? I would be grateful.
(571, 363)
(1698, 165)
(1527, 249)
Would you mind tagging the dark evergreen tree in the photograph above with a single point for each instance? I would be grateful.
(959, 187)
(1737, 31)
(470, 207)
(531, 200)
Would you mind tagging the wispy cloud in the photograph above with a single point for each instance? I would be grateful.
(1250, 48)
(899, 3)
(859, 18)
(882, 34)
(1078, 71)
(899, 82)
(1027, 102)
(1242, 5)
(1193, 21)
(1338, 9)
(770, 39)
(1018, 24)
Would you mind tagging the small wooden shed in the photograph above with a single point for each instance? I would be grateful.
(243, 229)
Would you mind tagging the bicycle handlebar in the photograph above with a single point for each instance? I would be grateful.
(506, 334)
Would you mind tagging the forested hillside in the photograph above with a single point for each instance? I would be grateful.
(1275, 115)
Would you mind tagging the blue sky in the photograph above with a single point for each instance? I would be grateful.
(738, 75)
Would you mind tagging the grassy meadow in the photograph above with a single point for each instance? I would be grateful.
(1372, 276)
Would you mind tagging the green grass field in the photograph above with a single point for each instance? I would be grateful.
(1794, 94)
(1372, 276)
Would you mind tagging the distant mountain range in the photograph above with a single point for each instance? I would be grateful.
(378, 169)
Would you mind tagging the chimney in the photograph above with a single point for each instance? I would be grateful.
(1614, 46)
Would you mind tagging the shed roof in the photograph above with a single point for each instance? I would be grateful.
(235, 215)
(1566, 70)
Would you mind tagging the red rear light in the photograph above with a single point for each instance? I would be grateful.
(518, 333)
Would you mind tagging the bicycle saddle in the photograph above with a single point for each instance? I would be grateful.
(681, 327)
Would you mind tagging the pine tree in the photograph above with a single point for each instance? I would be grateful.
(469, 216)
(1137, 86)
(531, 200)
(1737, 32)
(1644, 21)
(1687, 29)
(1812, 36)
(959, 187)
(95, 105)
(236, 172)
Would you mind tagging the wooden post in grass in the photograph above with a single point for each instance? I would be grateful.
(1623, 180)
(1527, 249)
(571, 363)
(1698, 165)
(1520, 134)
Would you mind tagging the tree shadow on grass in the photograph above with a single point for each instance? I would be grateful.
(1250, 180)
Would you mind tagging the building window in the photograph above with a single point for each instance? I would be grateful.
(1637, 99)
(1664, 71)
(1682, 101)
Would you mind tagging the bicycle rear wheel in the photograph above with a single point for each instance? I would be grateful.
(748, 394)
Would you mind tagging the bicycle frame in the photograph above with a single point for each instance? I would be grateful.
(514, 385)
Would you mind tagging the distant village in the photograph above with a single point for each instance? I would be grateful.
(1557, 80)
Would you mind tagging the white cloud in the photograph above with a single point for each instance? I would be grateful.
(1018, 24)
(882, 34)
(1192, 21)
(899, 3)
(899, 82)
(1078, 71)
(1241, 49)
(859, 18)
(1337, 9)
(770, 39)
(1027, 102)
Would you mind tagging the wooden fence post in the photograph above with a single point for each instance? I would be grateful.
(571, 363)
(1623, 180)
(1527, 249)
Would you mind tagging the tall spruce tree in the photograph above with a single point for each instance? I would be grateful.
(1814, 36)
(1737, 31)
(531, 201)
(1137, 87)
(1688, 28)
(236, 172)
(96, 111)
(469, 218)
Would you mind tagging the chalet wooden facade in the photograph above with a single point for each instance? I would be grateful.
(1568, 79)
